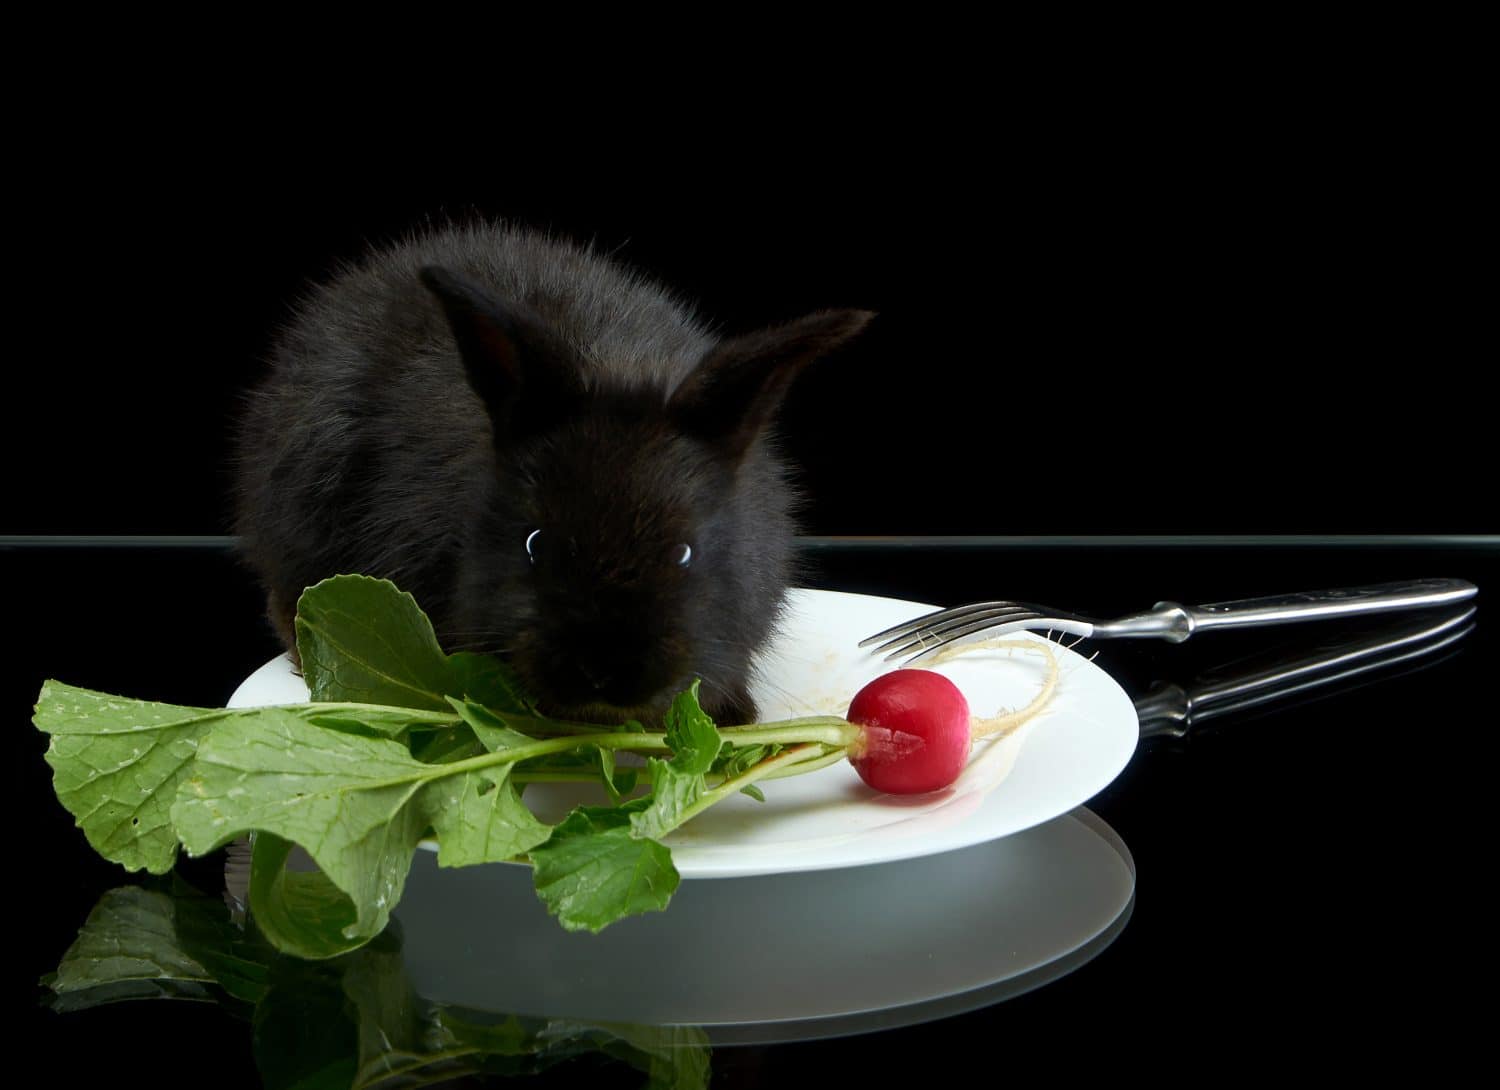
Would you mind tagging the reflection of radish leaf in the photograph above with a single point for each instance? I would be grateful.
(129, 946)
(356, 1020)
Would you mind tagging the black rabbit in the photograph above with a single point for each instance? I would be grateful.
(553, 454)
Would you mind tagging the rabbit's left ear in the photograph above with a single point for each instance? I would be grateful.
(739, 384)
(518, 367)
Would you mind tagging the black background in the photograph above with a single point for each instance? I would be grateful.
(1105, 309)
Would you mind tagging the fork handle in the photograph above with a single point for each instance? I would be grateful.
(1173, 622)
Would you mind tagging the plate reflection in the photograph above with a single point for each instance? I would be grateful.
(782, 957)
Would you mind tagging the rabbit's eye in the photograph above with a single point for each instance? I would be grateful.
(550, 549)
(682, 555)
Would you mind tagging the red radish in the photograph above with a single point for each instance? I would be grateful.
(916, 734)
(908, 732)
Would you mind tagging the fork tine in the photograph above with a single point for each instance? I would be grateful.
(935, 615)
(1001, 622)
(954, 618)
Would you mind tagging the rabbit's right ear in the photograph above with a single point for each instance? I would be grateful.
(735, 390)
(524, 375)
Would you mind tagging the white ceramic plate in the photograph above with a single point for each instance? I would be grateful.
(829, 818)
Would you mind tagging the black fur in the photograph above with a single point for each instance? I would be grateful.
(431, 406)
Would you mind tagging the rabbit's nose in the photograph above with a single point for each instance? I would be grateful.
(597, 677)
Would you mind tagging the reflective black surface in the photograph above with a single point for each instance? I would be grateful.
(1286, 839)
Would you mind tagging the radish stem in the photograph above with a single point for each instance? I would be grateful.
(828, 729)
(811, 765)
(786, 757)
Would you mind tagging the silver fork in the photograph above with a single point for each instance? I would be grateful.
(925, 635)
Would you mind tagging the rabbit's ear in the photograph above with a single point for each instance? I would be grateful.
(739, 384)
(520, 370)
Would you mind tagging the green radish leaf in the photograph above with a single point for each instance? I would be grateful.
(363, 641)
(489, 728)
(691, 733)
(479, 818)
(489, 682)
(373, 722)
(737, 760)
(594, 871)
(354, 804)
(357, 788)
(672, 792)
(358, 806)
(117, 764)
(618, 782)
(606, 759)
(455, 743)
(299, 912)
(678, 783)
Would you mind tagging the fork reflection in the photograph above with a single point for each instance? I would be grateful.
(1300, 669)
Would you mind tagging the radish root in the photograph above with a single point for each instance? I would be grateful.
(1005, 723)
